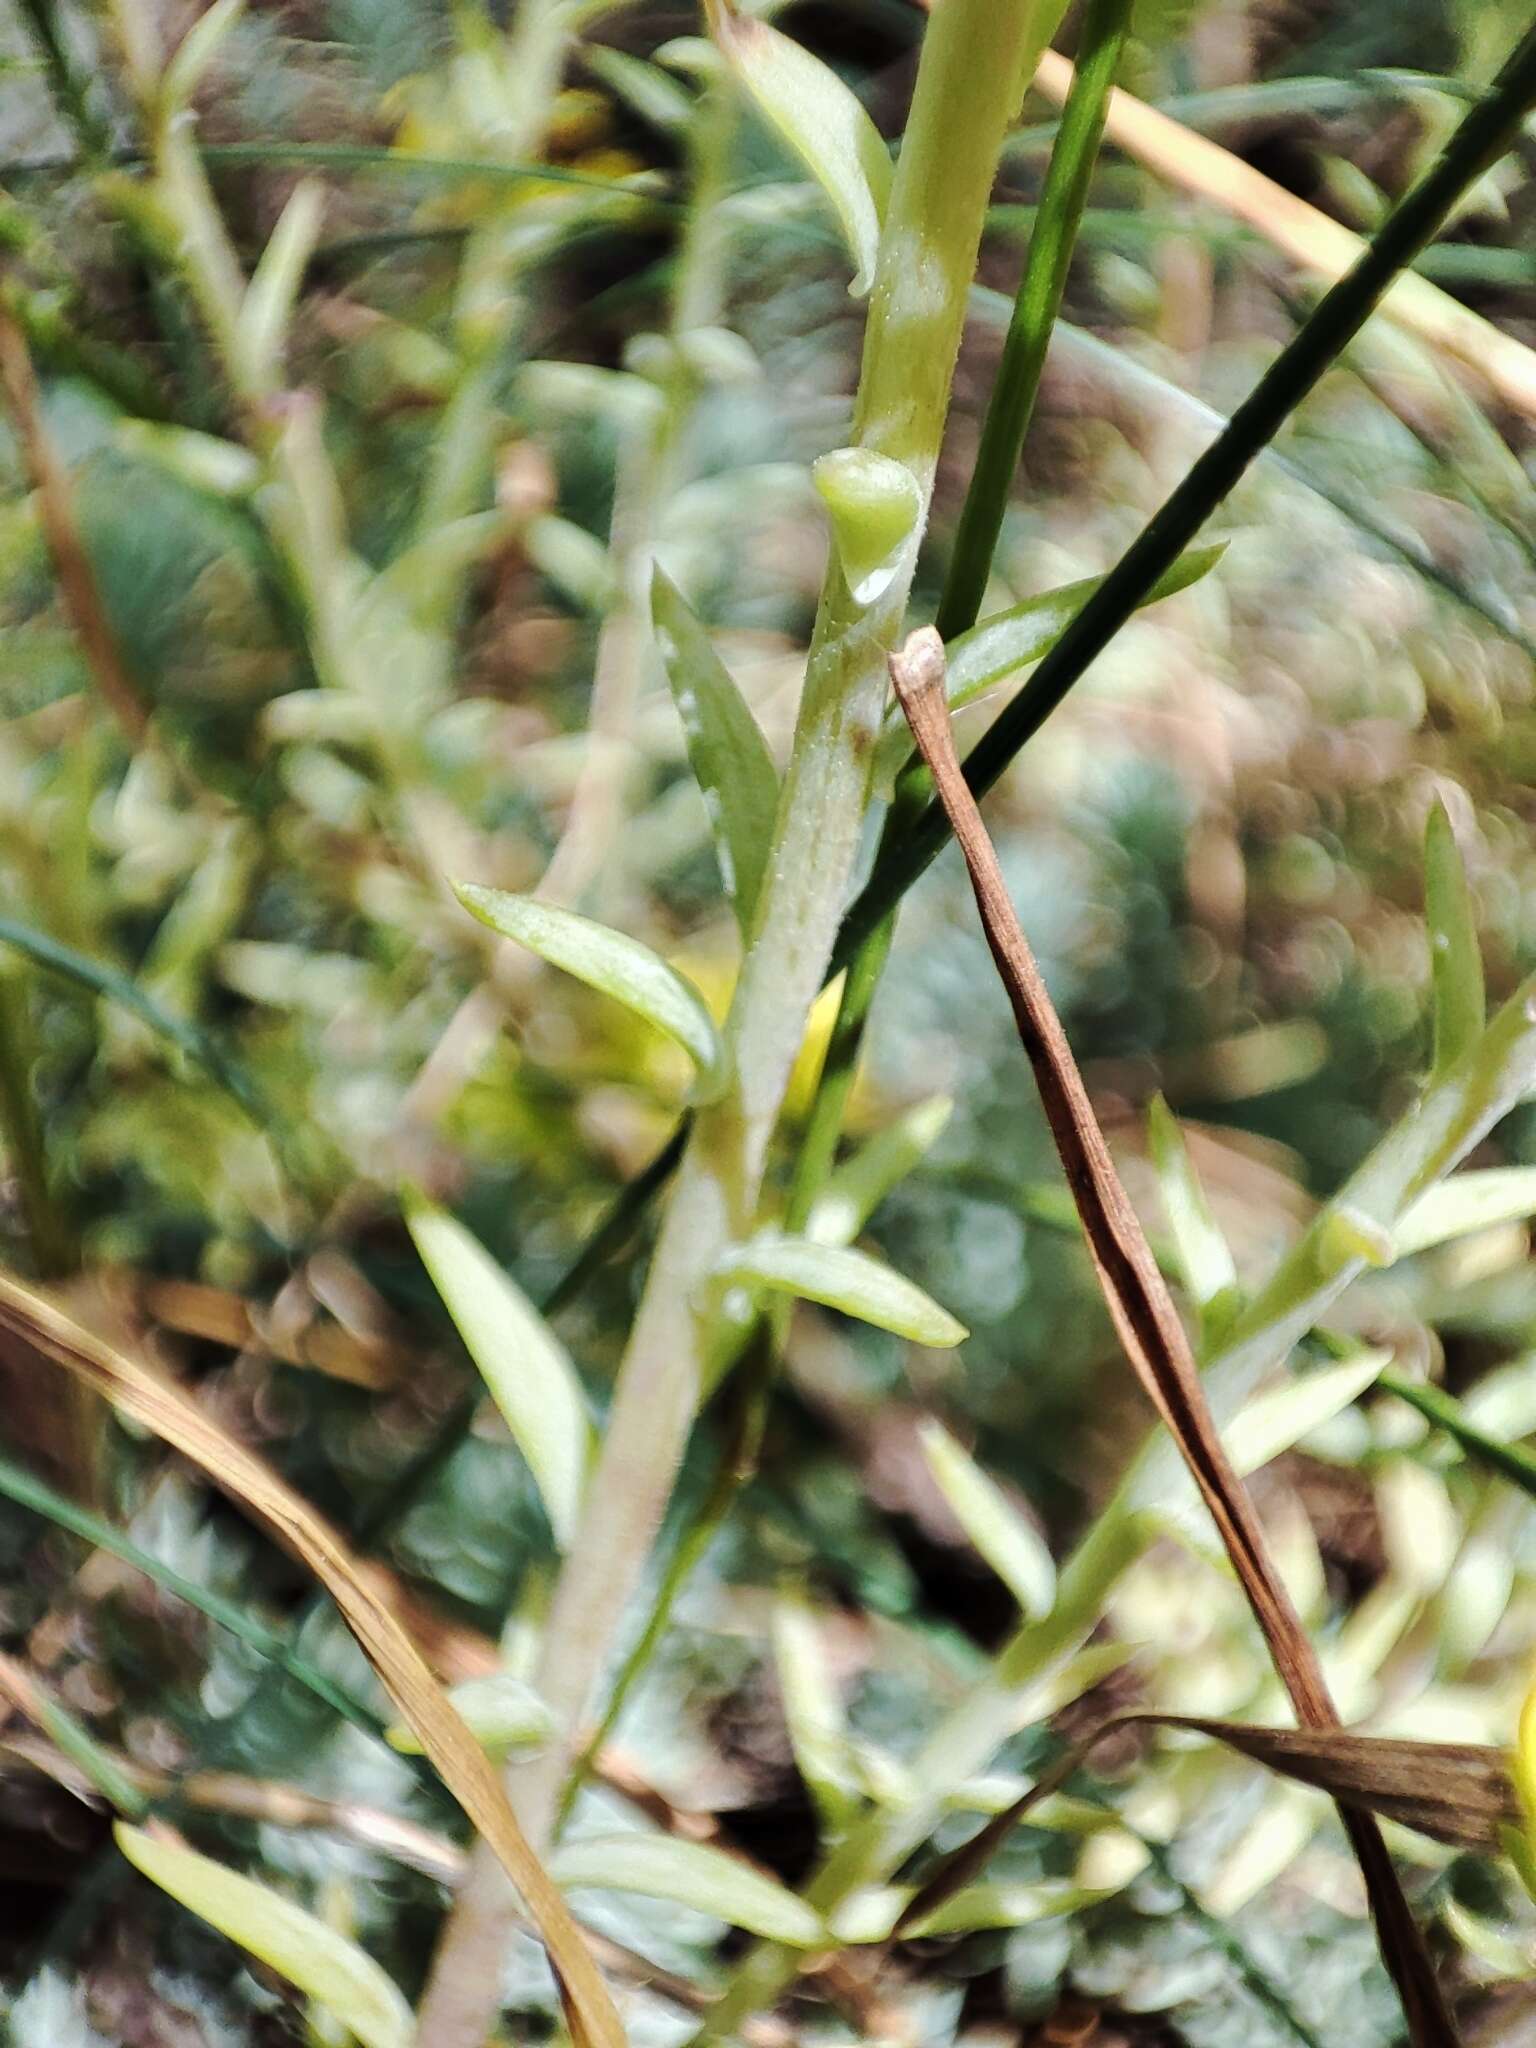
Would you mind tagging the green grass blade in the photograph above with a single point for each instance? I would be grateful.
(20, 1486)
(1445, 1412)
(1034, 315)
(102, 980)
(1455, 959)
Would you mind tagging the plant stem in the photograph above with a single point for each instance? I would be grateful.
(974, 58)
(1479, 142)
(1009, 410)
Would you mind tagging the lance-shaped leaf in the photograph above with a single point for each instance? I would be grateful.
(499, 1710)
(859, 1184)
(530, 1377)
(875, 505)
(204, 462)
(1015, 1551)
(690, 1874)
(1456, 962)
(873, 1915)
(1274, 1422)
(1454, 1792)
(1468, 1201)
(726, 749)
(1001, 645)
(842, 1279)
(813, 1712)
(645, 88)
(1446, 1412)
(267, 309)
(573, 560)
(196, 51)
(820, 120)
(323, 1964)
(1204, 1258)
(608, 961)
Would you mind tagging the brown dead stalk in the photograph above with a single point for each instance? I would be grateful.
(1144, 1315)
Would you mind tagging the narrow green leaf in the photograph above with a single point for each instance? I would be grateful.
(107, 981)
(526, 1368)
(856, 1188)
(990, 653)
(690, 1874)
(1004, 1905)
(1456, 962)
(499, 1710)
(261, 332)
(1101, 40)
(573, 560)
(820, 120)
(41, 1499)
(1467, 1202)
(323, 1964)
(196, 51)
(813, 1713)
(1515, 1463)
(842, 1279)
(875, 506)
(645, 88)
(871, 1916)
(103, 1770)
(417, 577)
(1276, 1422)
(1014, 1550)
(726, 749)
(608, 961)
(1204, 1258)
(205, 462)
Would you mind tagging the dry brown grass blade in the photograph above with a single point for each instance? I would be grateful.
(1454, 1792)
(1143, 1312)
(138, 1393)
(193, 1309)
(1311, 239)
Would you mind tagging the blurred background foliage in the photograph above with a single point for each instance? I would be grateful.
(1216, 848)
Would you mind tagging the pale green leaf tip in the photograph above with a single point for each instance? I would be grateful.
(822, 121)
(615, 964)
(840, 1278)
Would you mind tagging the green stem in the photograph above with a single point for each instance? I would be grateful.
(1009, 411)
(1478, 143)
(974, 56)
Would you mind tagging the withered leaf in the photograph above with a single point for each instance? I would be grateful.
(1459, 1793)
